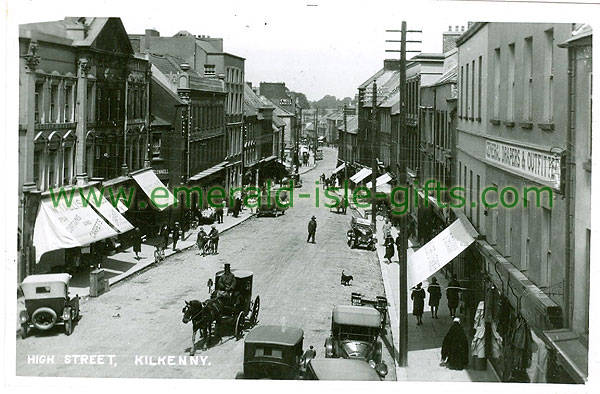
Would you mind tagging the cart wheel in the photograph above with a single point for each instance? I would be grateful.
(239, 326)
(255, 309)
(24, 330)
(69, 326)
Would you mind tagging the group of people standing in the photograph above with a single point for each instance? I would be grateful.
(208, 243)
(418, 296)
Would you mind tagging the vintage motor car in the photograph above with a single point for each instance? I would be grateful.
(340, 369)
(319, 154)
(355, 334)
(47, 303)
(273, 204)
(361, 234)
(275, 352)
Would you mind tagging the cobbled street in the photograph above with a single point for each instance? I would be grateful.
(298, 284)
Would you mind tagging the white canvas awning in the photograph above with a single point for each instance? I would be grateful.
(73, 218)
(438, 252)
(339, 168)
(150, 184)
(381, 180)
(362, 174)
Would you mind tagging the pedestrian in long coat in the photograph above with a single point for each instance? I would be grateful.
(176, 231)
(418, 297)
(455, 348)
(452, 295)
(387, 229)
(164, 233)
(312, 229)
(435, 294)
(137, 242)
(399, 246)
(389, 248)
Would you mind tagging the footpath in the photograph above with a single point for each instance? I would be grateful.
(425, 341)
(123, 264)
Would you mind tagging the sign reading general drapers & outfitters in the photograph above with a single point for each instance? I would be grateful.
(532, 164)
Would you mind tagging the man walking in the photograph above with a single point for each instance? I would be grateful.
(312, 229)
(435, 293)
(452, 295)
(164, 233)
(219, 214)
(214, 238)
(176, 231)
(137, 242)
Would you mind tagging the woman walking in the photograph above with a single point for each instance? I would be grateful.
(389, 248)
(137, 242)
(435, 294)
(418, 297)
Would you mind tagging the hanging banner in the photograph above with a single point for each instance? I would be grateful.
(149, 183)
(438, 252)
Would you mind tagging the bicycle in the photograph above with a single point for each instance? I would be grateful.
(159, 253)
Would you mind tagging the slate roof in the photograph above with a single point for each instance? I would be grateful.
(451, 76)
(277, 121)
(351, 124)
(169, 64)
(253, 102)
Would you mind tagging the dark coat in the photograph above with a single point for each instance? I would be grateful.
(418, 297)
(137, 241)
(455, 348)
(312, 226)
(452, 293)
(435, 294)
(389, 247)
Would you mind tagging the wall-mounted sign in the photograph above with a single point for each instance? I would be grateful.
(285, 101)
(542, 167)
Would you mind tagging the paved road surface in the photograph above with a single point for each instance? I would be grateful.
(298, 284)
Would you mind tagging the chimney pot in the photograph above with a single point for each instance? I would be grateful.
(462, 28)
(449, 28)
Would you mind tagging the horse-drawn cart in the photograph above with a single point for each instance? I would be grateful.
(235, 310)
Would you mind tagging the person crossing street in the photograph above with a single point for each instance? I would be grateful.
(312, 229)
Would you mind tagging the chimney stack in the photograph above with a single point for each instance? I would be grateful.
(449, 39)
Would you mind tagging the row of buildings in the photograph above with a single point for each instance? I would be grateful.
(505, 106)
(104, 110)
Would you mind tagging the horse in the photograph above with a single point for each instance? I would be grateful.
(194, 311)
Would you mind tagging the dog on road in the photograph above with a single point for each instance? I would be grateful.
(346, 279)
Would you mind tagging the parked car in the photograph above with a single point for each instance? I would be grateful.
(274, 352)
(273, 204)
(361, 234)
(319, 154)
(355, 334)
(340, 369)
(47, 303)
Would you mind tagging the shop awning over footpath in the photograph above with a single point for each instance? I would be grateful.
(156, 191)
(572, 355)
(79, 217)
(382, 183)
(339, 168)
(208, 172)
(438, 252)
(360, 175)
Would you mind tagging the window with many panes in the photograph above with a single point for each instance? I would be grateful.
(53, 103)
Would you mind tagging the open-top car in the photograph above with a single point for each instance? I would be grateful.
(361, 234)
(275, 352)
(355, 334)
(340, 369)
(274, 203)
(47, 303)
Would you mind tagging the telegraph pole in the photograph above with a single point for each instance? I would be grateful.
(402, 161)
(374, 159)
(345, 155)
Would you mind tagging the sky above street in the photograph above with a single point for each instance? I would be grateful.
(316, 47)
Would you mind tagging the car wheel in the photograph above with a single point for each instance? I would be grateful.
(24, 330)
(69, 326)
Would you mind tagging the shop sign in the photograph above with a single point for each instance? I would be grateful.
(542, 167)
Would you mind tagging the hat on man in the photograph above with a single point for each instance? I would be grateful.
(227, 265)
(433, 279)
(313, 217)
(456, 320)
